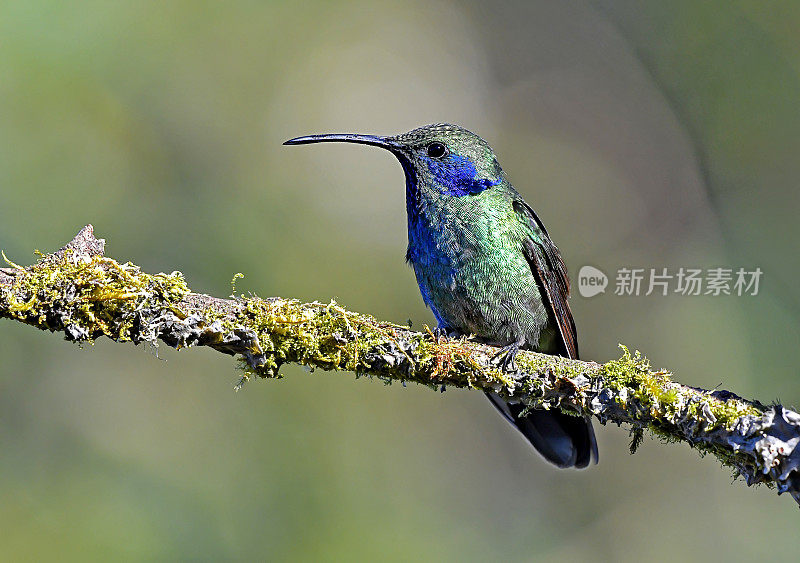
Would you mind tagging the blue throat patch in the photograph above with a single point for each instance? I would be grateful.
(457, 176)
(411, 187)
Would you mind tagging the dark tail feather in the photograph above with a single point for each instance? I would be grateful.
(564, 440)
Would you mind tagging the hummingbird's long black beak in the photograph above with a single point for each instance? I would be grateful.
(373, 140)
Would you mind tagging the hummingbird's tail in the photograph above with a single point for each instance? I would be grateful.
(564, 440)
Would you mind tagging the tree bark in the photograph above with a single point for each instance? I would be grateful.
(80, 292)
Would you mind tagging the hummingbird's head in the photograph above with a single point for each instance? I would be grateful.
(440, 160)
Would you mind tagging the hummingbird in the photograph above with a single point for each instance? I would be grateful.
(486, 267)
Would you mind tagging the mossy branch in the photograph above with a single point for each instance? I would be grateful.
(85, 295)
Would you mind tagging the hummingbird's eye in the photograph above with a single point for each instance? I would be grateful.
(436, 150)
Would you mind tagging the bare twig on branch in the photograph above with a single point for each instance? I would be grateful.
(85, 295)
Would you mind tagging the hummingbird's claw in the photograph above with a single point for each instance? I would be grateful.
(506, 356)
(446, 333)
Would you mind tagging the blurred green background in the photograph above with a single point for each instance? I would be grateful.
(646, 134)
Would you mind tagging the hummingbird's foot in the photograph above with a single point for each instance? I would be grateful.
(441, 332)
(505, 357)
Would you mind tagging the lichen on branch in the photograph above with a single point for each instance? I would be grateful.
(85, 295)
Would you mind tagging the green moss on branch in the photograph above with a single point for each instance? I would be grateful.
(85, 295)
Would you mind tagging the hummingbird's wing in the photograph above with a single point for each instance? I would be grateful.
(565, 440)
(551, 276)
